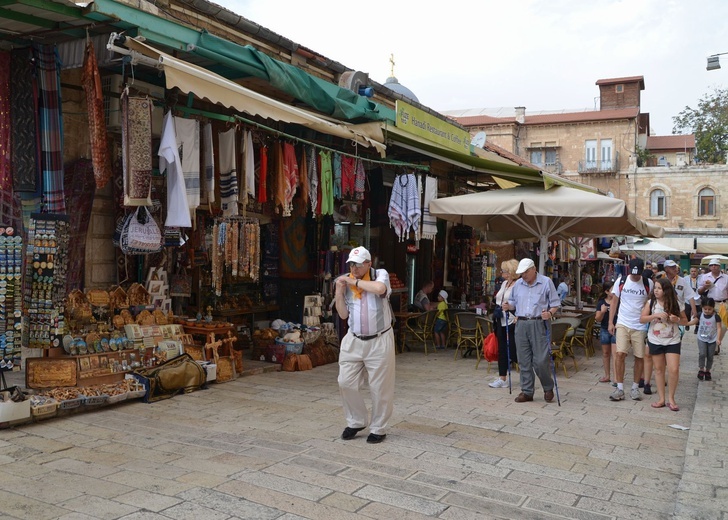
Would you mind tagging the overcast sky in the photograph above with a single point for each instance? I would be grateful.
(544, 55)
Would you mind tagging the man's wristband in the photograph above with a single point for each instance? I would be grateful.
(357, 283)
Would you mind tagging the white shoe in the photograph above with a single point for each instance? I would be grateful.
(498, 383)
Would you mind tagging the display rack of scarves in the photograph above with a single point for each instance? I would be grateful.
(404, 206)
(235, 249)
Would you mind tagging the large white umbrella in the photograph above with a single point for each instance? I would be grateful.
(708, 258)
(530, 212)
(650, 250)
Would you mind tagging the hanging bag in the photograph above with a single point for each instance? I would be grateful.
(180, 284)
(141, 234)
(490, 347)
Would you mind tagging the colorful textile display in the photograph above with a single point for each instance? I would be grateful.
(303, 176)
(359, 180)
(80, 184)
(235, 248)
(7, 207)
(188, 144)
(327, 184)
(136, 142)
(347, 177)
(337, 175)
(429, 223)
(48, 72)
(290, 177)
(25, 150)
(404, 206)
(209, 163)
(91, 81)
(263, 175)
(228, 173)
(178, 214)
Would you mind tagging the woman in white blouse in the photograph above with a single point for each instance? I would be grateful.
(505, 331)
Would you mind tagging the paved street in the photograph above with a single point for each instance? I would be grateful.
(267, 446)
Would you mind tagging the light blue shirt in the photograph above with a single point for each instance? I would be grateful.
(531, 300)
(563, 290)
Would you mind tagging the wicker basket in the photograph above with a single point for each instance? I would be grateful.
(225, 369)
(71, 403)
(95, 400)
(195, 352)
(117, 398)
(44, 411)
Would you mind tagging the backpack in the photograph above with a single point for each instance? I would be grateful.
(490, 347)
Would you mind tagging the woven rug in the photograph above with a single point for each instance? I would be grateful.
(136, 135)
(91, 81)
(80, 186)
(50, 117)
(24, 144)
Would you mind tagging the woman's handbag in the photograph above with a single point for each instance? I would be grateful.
(490, 347)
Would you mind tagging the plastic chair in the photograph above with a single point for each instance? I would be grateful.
(420, 328)
(560, 346)
(468, 334)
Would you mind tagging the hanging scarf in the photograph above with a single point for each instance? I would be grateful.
(263, 175)
(337, 176)
(48, 71)
(290, 177)
(327, 184)
(356, 292)
(429, 223)
(313, 181)
(249, 163)
(347, 177)
(91, 81)
(360, 179)
(303, 176)
(404, 205)
(178, 214)
(24, 123)
(188, 144)
(209, 162)
(228, 173)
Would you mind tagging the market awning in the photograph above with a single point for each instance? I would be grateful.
(712, 245)
(493, 165)
(208, 85)
(686, 244)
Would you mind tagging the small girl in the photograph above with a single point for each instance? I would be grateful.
(664, 316)
(709, 329)
(440, 327)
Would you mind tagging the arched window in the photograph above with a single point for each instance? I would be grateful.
(706, 203)
(658, 204)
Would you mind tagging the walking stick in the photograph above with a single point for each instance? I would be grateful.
(508, 350)
(551, 360)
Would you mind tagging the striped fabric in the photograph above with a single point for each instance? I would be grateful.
(25, 149)
(313, 179)
(48, 71)
(228, 173)
(429, 223)
(188, 143)
(209, 163)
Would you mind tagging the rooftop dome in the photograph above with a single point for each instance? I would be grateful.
(394, 85)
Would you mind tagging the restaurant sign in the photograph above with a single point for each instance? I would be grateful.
(418, 122)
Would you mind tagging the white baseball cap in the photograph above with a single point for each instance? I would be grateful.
(714, 261)
(443, 293)
(524, 265)
(670, 263)
(359, 255)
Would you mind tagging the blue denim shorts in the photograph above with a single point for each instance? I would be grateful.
(440, 325)
(605, 338)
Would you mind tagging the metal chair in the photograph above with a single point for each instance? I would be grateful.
(420, 328)
(560, 346)
(468, 334)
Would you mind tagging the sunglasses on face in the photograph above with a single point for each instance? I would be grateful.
(357, 264)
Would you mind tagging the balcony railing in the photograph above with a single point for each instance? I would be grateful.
(602, 166)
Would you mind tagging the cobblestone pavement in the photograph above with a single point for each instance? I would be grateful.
(268, 446)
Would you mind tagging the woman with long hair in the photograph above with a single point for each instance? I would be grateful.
(608, 341)
(505, 325)
(664, 315)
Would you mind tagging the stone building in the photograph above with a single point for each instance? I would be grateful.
(611, 149)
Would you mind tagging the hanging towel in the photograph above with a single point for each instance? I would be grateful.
(279, 178)
(178, 214)
(228, 173)
(313, 181)
(209, 162)
(249, 163)
(327, 184)
(347, 177)
(48, 71)
(429, 223)
(91, 81)
(188, 144)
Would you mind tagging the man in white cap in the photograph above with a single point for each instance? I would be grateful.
(714, 284)
(534, 301)
(367, 349)
(685, 297)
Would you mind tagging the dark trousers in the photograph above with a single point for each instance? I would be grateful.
(503, 344)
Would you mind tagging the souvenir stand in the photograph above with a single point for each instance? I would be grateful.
(11, 261)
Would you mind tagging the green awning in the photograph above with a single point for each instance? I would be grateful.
(328, 98)
(497, 167)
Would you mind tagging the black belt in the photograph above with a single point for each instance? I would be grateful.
(367, 338)
(524, 318)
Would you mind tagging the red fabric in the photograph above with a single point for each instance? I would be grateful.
(263, 181)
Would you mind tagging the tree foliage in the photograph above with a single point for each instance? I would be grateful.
(709, 123)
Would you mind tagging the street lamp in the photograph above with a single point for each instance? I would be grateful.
(714, 61)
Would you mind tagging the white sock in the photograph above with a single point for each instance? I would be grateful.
(620, 386)
(635, 385)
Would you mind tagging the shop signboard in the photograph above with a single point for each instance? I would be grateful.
(418, 122)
